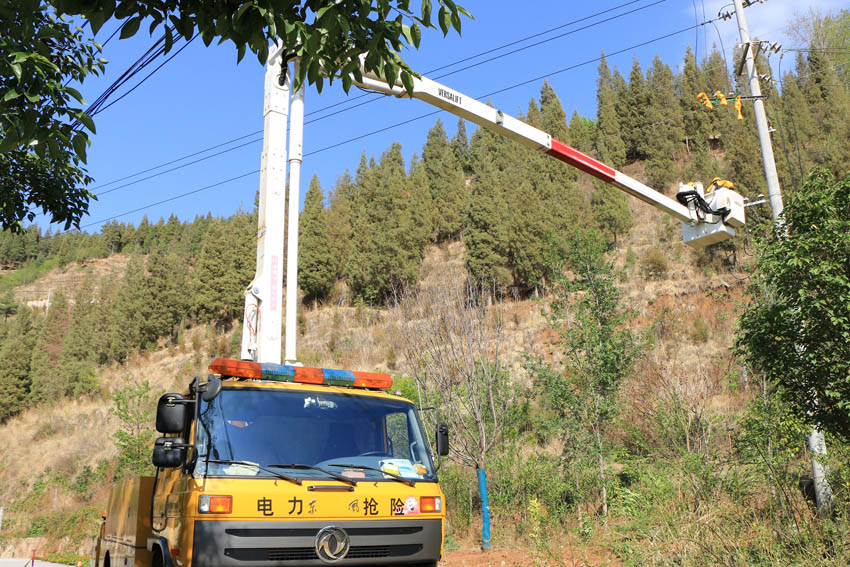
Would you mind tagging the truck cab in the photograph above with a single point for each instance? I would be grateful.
(269, 465)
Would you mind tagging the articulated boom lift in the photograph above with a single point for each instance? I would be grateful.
(707, 216)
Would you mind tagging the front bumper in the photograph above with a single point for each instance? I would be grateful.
(286, 543)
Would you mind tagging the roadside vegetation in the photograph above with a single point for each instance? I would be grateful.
(641, 398)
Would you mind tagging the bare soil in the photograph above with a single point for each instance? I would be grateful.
(521, 557)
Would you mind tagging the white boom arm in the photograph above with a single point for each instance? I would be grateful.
(698, 229)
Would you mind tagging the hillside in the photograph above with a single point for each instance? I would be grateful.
(619, 421)
(56, 469)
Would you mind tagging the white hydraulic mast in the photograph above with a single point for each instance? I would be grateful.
(296, 150)
(262, 319)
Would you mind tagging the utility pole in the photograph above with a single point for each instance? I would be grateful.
(773, 191)
(815, 439)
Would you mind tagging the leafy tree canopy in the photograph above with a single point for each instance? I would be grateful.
(797, 329)
(42, 144)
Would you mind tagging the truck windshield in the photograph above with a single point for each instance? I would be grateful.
(276, 428)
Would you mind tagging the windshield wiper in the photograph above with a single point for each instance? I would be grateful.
(256, 466)
(406, 481)
(331, 474)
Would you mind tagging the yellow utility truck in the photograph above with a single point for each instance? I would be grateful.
(271, 465)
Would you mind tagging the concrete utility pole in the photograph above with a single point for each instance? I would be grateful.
(773, 191)
(815, 440)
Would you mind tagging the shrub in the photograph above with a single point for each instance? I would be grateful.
(655, 265)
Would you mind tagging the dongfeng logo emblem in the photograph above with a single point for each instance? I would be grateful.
(332, 544)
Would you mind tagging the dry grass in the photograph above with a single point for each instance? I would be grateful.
(62, 438)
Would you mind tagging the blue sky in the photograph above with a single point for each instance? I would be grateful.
(202, 97)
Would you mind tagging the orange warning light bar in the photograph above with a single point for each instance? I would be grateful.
(300, 374)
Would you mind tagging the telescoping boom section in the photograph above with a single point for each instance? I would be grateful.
(700, 225)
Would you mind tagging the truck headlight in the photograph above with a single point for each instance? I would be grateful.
(208, 504)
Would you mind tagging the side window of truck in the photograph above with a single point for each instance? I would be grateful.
(397, 435)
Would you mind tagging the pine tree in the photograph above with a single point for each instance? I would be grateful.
(224, 269)
(15, 354)
(635, 126)
(611, 211)
(126, 320)
(582, 133)
(446, 181)
(339, 221)
(316, 269)
(609, 143)
(665, 130)
(486, 230)
(48, 349)
(165, 302)
(696, 117)
(77, 362)
(387, 245)
(460, 147)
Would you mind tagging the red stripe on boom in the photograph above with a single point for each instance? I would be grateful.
(582, 161)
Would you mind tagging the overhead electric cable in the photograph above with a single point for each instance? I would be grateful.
(372, 97)
(402, 123)
(149, 75)
(174, 198)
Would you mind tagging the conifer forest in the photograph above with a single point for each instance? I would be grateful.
(644, 413)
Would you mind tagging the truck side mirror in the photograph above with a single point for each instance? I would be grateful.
(211, 389)
(169, 452)
(442, 439)
(172, 413)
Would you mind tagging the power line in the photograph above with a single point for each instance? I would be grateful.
(376, 97)
(174, 198)
(402, 123)
(379, 97)
(149, 75)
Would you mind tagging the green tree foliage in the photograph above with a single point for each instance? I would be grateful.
(582, 132)
(41, 152)
(339, 218)
(134, 405)
(599, 348)
(446, 182)
(15, 357)
(611, 211)
(388, 233)
(796, 329)
(486, 231)
(460, 147)
(224, 269)
(665, 130)
(48, 349)
(126, 320)
(634, 117)
(165, 303)
(77, 362)
(316, 265)
(697, 122)
(42, 52)
(609, 142)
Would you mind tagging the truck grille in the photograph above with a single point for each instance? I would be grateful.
(308, 553)
(388, 543)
